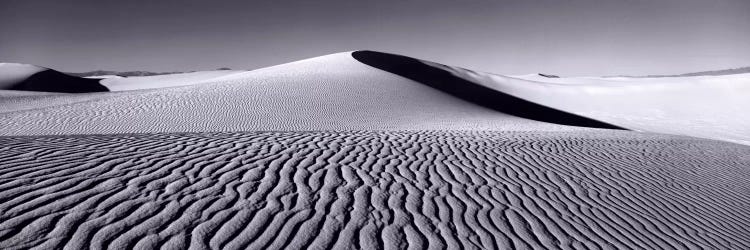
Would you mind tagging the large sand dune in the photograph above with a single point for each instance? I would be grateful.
(334, 92)
(354, 153)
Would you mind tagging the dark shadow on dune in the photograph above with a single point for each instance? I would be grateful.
(53, 81)
(447, 82)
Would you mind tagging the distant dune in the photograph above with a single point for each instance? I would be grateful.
(120, 73)
(34, 78)
(369, 150)
(165, 80)
(96, 73)
(742, 70)
(701, 106)
(13, 73)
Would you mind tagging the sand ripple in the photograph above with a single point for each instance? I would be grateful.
(373, 189)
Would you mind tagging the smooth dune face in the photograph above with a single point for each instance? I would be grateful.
(332, 92)
(711, 107)
(343, 190)
(164, 81)
(447, 82)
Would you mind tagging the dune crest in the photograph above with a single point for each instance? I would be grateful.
(13, 73)
(333, 92)
(34, 78)
(443, 80)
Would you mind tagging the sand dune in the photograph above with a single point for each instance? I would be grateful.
(13, 73)
(164, 81)
(368, 190)
(702, 106)
(34, 78)
(470, 91)
(334, 92)
(351, 152)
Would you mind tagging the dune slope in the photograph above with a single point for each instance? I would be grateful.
(164, 81)
(53, 81)
(334, 92)
(445, 81)
(430, 189)
(25, 77)
(710, 107)
(13, 73)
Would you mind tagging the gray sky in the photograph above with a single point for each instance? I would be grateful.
(577, 37)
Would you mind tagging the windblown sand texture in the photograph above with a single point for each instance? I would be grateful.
(331, 152)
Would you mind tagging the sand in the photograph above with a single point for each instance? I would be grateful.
(710, 107)
(333, 92)
(430, 189)
(164, 81)
(24, 77)
(333, 153)
(13, 73)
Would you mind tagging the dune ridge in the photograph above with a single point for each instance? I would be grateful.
(53, 81)
(333, 92)
(371, 189)
(467, 90)
(25, 77)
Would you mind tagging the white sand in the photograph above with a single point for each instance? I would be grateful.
(164, 81)
(331, 153)
(104, 77)
(332, 92)
(711, 107)
(344, 190)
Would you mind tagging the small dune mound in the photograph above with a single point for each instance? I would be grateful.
(445, 81)
(548, 75)
(26, 77)
(14, 73)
